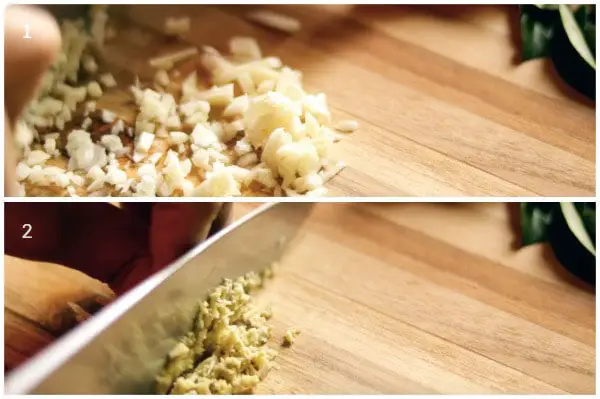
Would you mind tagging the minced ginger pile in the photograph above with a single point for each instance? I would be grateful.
(227, 352)
(255, 130)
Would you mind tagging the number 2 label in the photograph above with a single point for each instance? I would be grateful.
(28, 229)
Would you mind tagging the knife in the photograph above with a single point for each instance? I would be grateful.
(123, 347)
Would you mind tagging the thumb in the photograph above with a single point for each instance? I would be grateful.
(26, 60)
(10, 180)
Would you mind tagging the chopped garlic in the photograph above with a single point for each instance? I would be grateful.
(87, 122)
(107, 80)
(57, 176)
(36, 157)
(245, 48)
(115, 175)
(159, 62)
(317, 107)
(37, 175)
(297, 159)
(23, 135)
(245, 82)
(318, 192)
(96, 173)
(111, 142)
(274, 133)
(266, 86)
(154, 158)
(177, 26)
(290, 337)
(268, 112)
(144, 142)
(242, 147)
(75, 179)
(347, 126)
(71, 191)
(94, 90)
(248, 160)
(274, 20)
(50, 146)
(146, 187)
(179, 350)
(178, 137)
(90, 106)
(218, 184)
(118, 127)
(83, 152)
(218, 95)
(108, 116)
(237, 107)
(203, 136)
(162, 77)
(89, 64)
(147, 169)
(229, 339)
(329, 173)
(230, 130)
(23, 171)
(308, 183)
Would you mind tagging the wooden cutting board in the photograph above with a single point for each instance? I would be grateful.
(414, 298)
(444, 107)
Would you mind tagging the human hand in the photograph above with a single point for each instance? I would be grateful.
(25, 61)
(119, 246)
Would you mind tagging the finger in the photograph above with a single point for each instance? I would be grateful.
(26, 60)
(134, 273)
(10, 162)
(222, 219)
(175, 228)
(96, 238)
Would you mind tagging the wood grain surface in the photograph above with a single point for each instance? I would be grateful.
(444, 107)
(406, 298)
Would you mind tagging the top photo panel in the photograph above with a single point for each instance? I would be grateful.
(303, 100)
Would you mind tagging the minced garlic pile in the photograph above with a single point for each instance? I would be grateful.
(255, 130)
(227, 352)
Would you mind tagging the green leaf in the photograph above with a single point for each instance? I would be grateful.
(565, 238)
(575, 35)
(568, 38)
(587, 212)
(577, 226)
(536, 219)
(537, 30)
(586, 19)
(547, 6)
(590, 36)
(570, 231)
(569, 63)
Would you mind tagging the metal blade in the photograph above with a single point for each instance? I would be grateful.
(122, 348)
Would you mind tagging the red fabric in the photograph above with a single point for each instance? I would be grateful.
(118, 246)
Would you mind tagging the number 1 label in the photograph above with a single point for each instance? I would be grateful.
(27, 35)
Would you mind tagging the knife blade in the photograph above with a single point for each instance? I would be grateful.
(122, 348)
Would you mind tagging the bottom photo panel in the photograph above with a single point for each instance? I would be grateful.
(299, 298)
